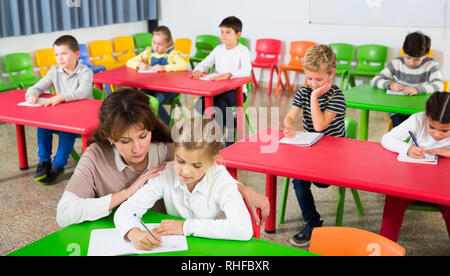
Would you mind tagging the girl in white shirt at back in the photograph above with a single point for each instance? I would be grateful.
(193, 187)
(432, 132)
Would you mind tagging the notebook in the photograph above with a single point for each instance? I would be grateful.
(390, 92)
(146, 71)
(209, 76)
(303, 138)
(108, 242)
(40, 101)
(427, 159)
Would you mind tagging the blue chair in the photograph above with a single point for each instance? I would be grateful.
(84, 57)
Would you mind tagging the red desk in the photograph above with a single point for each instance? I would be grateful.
(343, 162)
(177, 82)
(79, 117)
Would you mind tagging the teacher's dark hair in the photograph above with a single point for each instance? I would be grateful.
(126, 108)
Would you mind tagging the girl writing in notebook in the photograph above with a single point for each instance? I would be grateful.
(432, 132)
(159, 58)
(193, 187)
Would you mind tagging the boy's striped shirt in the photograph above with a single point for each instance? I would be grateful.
(332, 101)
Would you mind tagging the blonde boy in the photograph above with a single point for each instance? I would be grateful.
(323, 107)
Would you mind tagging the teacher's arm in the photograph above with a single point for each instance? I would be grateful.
(255, 201)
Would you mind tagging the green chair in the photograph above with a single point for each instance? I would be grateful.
(7, 86)
(154, 104)
(142, 41)
(173, 102)
(20, 69)
(344, 57)
(371, 59)
(204, 44)
(351, 128)
(243, 41)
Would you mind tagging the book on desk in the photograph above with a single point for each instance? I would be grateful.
(427, 159)
(303, 138)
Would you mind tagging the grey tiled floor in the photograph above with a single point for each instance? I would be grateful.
(28, 209)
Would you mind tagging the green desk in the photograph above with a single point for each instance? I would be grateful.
(367, 97)
(74, 240)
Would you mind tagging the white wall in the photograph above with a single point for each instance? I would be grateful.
(287, 20)
(32, 43)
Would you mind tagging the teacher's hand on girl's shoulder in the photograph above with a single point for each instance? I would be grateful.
(144, 177)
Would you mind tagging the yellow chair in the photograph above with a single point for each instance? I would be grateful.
(124, 48)
(346, 241)
(430, 53)
(101, 51)
(445, 86)
(45, 58)
(183, 45)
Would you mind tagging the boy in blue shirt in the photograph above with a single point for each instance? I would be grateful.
(323, 107)
(72, 81)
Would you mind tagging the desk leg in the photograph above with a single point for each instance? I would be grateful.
(364, 124)
(84, 141)
(240, 118)
(271, 193)
(22, 147)
(209, 103)
(233, 172)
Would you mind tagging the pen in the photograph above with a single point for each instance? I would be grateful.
(413, 138)
(147, 228)
(142, 59)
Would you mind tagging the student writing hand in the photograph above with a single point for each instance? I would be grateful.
(444, 152)
(396, 87)
(143, 66)
(170, 227)
(410, 90)
(317, 93)
(31, 99)
(143, 178)
(142, 240)
(197, 74)
(289, 132)
(416, 152)
(54, 101)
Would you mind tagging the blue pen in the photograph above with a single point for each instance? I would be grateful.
(147, 228)
(413, 138)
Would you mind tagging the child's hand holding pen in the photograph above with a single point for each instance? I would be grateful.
(143, 65)
(143, 240)
(288, 131)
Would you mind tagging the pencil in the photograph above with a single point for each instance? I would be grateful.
(140, 220)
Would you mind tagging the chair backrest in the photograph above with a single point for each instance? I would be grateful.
(124, 47)
(371, 57)
(268, 50)
(183, 45)
(45, 58)
(98, 94)
(351, 128)
(84, 55)
(346, 241)
(243, 41)
(298, 50)
(101, 51)
(344, 55)
(205, 44)
(445, 86)
(430, 53)
(142, 41)
(16, 63)
(154, 104)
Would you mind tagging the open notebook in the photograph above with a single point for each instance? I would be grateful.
(303, 138)
(108, 242)
(427, 159)
(147, 71)
(40, 101)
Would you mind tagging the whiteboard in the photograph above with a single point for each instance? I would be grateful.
(408, 13)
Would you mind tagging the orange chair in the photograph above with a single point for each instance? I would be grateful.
(124, 48)
(430, 53)
(297, 52)
(346, 241)
(267, 53)
(183, 45)
(101, 51)
(45, 59)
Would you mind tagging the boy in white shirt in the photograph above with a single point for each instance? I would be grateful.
(231, 60)
(193, 187)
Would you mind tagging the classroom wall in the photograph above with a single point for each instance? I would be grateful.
(287, 20)
(32, 43)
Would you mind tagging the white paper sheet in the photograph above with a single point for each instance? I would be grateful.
(40, 100)
(108, 242)
(303, 138)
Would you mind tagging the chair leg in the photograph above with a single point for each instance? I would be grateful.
(269, 90)
(283, 200)
(249, 120)
(75, 155)
(282, 85)
(340, 206)
(288, 83)
(255, 83)
(357, 202)
(343, 76)
(277, 89)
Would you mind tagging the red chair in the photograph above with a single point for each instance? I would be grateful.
(297, 51)
(267, 53)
